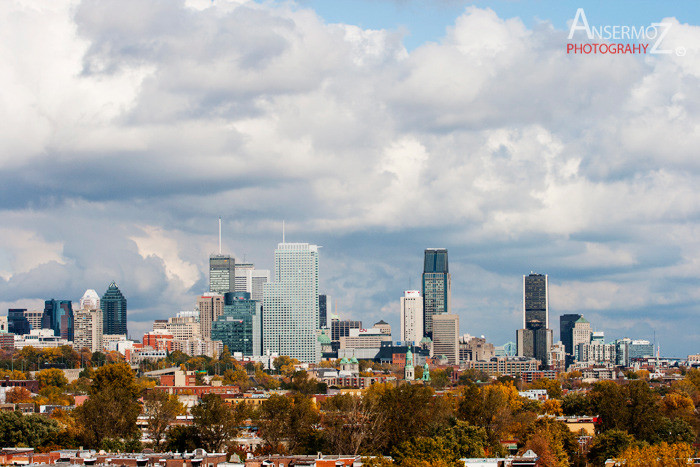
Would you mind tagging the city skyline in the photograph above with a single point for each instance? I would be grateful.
(370, 134)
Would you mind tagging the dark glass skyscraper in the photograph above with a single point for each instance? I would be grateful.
(17, 323)
(58, 315)
(566, 331)
(535, 339)
(240, 326)
(323, 307)
(436, 287)
(222, 277)
(113, 305)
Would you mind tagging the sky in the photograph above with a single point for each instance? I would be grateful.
(373, 128)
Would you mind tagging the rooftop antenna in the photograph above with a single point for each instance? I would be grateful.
(283, 232)
(219, 235)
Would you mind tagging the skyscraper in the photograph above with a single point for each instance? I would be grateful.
(17, 322)
(535, 339)
(210, 306)
(58, 315)
(436, 287)
(566, 327)
(290, 303)
(222, 277)
(113, 305)
(90, 300)
(412, 317)
(324, 306)
(251, 280)
(240, 325)
(88, 329)
(446, 337)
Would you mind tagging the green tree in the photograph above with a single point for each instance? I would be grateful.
(112, 409)
(26, 430)
(161, 409)
(182, 438)
(464, 439)
(576, 403)
(610, 403)
(644, 411)
(608, 445)
(216, 422)
(425, 451)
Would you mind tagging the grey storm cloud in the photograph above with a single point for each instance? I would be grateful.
(132, 125)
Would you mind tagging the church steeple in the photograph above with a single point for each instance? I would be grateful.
(409, 371)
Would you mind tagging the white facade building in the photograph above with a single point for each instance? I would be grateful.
(40, 339)
(290, 304)
(90, 300)
(251, 280)
(88, 329)
(411, 316)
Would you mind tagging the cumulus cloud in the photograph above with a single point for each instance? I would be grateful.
(130, 126)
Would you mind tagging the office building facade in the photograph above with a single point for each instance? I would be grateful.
(58, 316)
(17, 322)
(324, 309)
(88, 330)
(436, 287)
(566, 327)
(113, 305)
(535, 338)
(251, 280)
(240, 326)
(222, 274)
(446, 337)
(290, 304)
(210, 306)
(411, 317)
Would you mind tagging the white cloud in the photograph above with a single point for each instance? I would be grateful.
(131, 125)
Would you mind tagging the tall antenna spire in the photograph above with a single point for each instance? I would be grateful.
(283, 232)
(219, 234)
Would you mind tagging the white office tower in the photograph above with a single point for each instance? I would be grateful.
(251, 280)
(90, 300)
(290, 304)
(412, 316)
(87, 330)
(446, 337)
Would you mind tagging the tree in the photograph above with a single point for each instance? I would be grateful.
(112, 409)
(464, 439)
(552, 386)
(291, 419)
(161, 409)
(552, 407)
(660, 455)
(609, 445)
(552, 440)
(351, 423)
(26, 430)
(610, 403)
(18, 395)
(51, 377)
(675, 431)
(215, 421)
(576, 403)
(425, 451)
(644, 412)
(182, 438)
